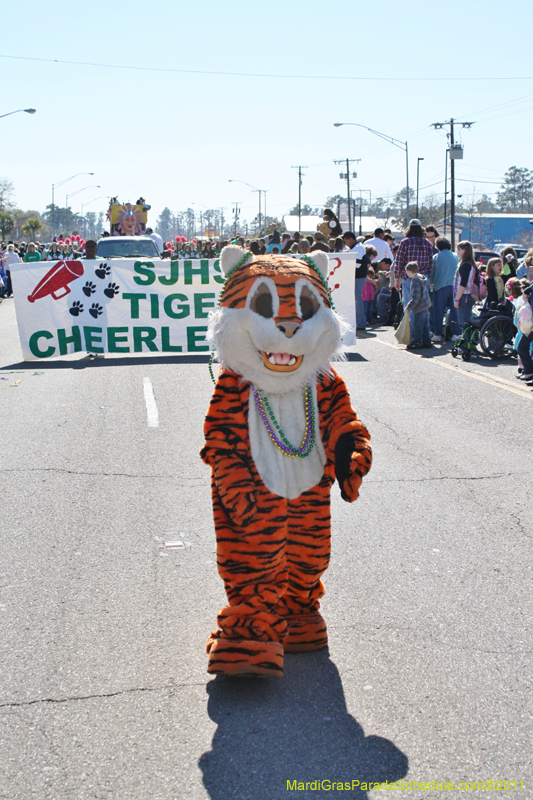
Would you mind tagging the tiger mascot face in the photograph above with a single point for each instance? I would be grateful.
(275, 325)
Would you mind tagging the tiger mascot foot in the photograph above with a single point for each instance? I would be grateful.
(306, 632)
(244, 658)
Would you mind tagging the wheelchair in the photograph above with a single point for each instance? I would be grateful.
(490, 328)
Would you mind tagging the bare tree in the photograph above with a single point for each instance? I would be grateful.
(7, 192)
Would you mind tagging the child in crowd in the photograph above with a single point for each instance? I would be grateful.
(369, 294)
(384, 296)
(517, 288)
(523, 347)
(419, 306)
(465, 275)
(495, 284)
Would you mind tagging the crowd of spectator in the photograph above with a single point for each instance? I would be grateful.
(419, 275)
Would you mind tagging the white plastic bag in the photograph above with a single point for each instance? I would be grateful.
(403, 331)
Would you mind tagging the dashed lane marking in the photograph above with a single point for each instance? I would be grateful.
(151, 407)
(500, 383)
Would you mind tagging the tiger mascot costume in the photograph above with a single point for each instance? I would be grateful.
(280, 428)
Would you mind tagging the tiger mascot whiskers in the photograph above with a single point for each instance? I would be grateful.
(280, 428)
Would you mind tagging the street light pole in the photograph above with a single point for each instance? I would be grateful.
(72, 194)
(56, 185)
(299, 168)
(347, 176)
(27, 110)
(396, 142)
(418, 160)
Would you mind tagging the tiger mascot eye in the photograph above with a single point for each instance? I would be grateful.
(280, 428)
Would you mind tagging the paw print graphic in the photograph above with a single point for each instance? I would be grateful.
(103, 271)
(76, 308)
(95, 310)
(89, 288)
(112, 290)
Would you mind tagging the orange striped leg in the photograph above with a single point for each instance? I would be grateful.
(308, 554)
(251, 562)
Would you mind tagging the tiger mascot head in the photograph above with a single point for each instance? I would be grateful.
(275, 325)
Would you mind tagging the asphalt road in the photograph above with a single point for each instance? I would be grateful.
(103, 685)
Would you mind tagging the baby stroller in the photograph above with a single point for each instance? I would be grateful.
(492, 328)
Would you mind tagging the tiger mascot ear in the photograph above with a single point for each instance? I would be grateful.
(321, 261)
(230, 256)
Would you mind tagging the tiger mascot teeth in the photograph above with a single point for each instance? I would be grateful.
(280, 428)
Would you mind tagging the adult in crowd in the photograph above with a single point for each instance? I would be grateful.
(157, 239)
(9, 258)
(319, 243)
(510, 263)
(90, 250)
(465, 275)
(54, 253)
(378, 241)
(275, 237)
(441, 283)
(32, 254)
(209, 250)
(362, 261)
(285, 239)
(526, 269)
(414, 247)
(295, 239)
(431, 235)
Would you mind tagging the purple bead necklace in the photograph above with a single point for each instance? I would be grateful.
(283, 444)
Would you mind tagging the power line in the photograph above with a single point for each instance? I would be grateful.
(263, 74)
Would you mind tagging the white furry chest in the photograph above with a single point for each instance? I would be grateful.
(286, 477)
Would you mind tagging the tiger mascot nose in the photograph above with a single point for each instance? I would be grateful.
(288, 327)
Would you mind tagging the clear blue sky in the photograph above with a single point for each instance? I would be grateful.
(176, 138)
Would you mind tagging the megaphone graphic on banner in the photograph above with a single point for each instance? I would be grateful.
(56, 280)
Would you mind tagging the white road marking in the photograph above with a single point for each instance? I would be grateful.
(151, 407)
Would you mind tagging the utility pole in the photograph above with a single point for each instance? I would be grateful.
(346, 175)
(236, 212)
(265, 209)
(456, 152)
(299, 195)
(221, 223)
(418, 160)
(445, 192)
(259, 192)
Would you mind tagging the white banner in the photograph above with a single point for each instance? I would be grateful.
(131, 306)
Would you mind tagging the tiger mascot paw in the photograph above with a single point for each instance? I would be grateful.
(351, 465)
(306, 632)
(244, 658)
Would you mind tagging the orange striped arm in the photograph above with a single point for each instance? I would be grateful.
(227, 450)
(346, 440)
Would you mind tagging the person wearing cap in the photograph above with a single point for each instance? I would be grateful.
(156, 237)
(414, 247)
(361, 267)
